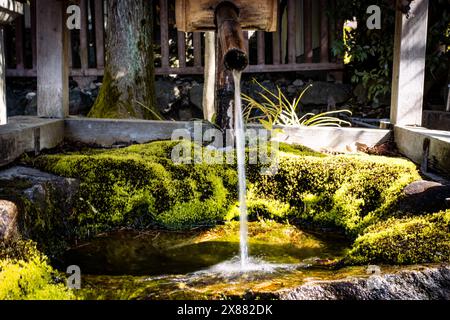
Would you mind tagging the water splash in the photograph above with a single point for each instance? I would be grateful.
(240, 155)
(253, 265)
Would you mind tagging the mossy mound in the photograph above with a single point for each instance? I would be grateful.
(26, 275)
(140, 186)
(414, 240)
(344, 192)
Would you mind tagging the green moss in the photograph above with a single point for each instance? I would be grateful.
(106, 105)
(413, 240)
(26, 275)
(344, 192)
(140, 187)
(296, 149)
(42, 219)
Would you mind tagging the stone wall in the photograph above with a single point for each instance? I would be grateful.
(180, 98)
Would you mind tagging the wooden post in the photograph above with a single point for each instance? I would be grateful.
(164, 25)
(84, 54)
(3, 110)
(209, 88)
(181, 43)
(292, 51)
(99, 34)
(52, 59)
(448, 99)
(261, 43)
(307, 16)
(324, 47)
(19, 43)
(409, 65)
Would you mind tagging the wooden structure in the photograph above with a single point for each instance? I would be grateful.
(409, 57)
(301, 43)
(409, 64)
(9, 10)
(199, 15)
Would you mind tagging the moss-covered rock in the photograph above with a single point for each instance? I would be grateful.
(26, 275)
(344, 192)
(44, 203)
(140, 186)
(413, 240)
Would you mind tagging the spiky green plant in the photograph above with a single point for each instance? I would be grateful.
(276, 109)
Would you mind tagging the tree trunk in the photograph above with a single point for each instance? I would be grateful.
(128, 83)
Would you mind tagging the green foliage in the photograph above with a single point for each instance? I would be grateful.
(276, 109)
(369, 53)
(413, 240)
(26, 275)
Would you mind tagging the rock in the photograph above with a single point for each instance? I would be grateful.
(31, 104)
(360, 94)
(292, 89)
(46, 200)
(252, 89)
(8, 220)
(15, 101)
(425, 197)
(320, 93)
(165, 94)
(417, 284)
(80, 102)
(196, 96)
(298, 83)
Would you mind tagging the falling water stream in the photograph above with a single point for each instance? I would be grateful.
(240, 155)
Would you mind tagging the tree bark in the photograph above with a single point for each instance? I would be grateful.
(128, 83)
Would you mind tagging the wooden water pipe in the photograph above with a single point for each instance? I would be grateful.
(230, 37)
(231, 55)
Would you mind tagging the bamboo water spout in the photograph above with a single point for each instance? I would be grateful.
(230, 37)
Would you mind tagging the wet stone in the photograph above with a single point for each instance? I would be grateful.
(8, 220)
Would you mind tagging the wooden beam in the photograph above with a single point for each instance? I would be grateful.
(19, 42)
(99, 34)
(33, 31)
(181, 42)
(338, 67)
(164, 25)
(276, 47)
(324, 35)
(291, 32)
(52, 60)
(197, 49)
(307, 16)
(261, 44)
(294, 67)
(209, 87)
(84, 35)
(409, 65)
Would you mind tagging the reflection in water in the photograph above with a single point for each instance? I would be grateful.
(165, 253)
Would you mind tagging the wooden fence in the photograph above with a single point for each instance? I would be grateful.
(302, 43)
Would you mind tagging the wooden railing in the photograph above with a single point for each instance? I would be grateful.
(302, 42)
